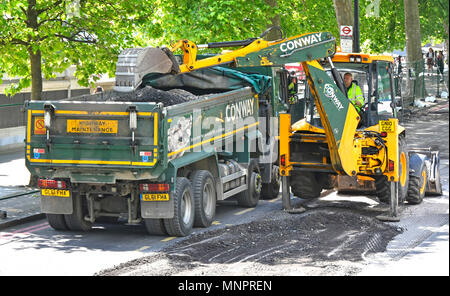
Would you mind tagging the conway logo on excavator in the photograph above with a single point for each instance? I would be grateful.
(329, 92)
(301, 42)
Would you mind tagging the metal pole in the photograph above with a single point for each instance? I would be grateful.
(394, 199)
(423, 83)
(438, 95)
(356, 47)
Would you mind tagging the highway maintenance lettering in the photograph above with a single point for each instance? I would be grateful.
(92, 126)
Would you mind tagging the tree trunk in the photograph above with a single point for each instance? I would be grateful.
(344, 12)
(416, 88)
(35, 57)
(36, 74)
(275, 21)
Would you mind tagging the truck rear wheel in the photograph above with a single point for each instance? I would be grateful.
(75, 221)
(182, 222)
(155, 226)
(306, 185)
(203, 186)
(57, 221)
(250, 197)
(272, 189)
(417, 186)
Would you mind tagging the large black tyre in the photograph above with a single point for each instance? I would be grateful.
(383, 188)
(75, 221)
(57, 221)
(182, 222)
(417, 186)
(272, 189)
(155, 226)
(204, 189)
(306, 185)
(250, 197)
(328, 181)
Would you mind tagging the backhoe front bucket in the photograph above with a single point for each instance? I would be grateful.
(431, 158)
(134, 63)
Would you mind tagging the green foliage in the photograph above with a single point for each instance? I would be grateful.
(433, 15)
(85, 33)
(92, 34)
(211, 20)
(206, 21)
(382, 30)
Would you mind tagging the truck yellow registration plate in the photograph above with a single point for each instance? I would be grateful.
(387, 126)
(92, 126)
(55, 192)
(155, 196)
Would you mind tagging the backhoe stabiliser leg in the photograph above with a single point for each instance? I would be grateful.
(285, 193)
(286, 198)
(393, 211)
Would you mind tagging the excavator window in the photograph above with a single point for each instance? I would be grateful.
(385, 91)
(283, 87)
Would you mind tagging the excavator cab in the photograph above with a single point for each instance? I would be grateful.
(373, 74)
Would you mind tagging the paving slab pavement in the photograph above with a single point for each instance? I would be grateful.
(19, 208)
(15, 207)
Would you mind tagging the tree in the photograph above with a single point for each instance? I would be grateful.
(43, 37)
(275, 20)
(344, 12)
(434, 20)
(414, 43)
(382, 25)
(205, 21)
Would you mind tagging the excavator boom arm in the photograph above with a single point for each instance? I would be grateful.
(134, 64)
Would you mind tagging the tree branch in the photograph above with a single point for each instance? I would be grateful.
(58, 2)
(73, 38)
(13, 40)
(56, 18)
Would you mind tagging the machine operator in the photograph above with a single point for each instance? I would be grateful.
(354, 92)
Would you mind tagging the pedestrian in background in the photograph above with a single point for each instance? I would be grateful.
(440, 64)
(430, 60)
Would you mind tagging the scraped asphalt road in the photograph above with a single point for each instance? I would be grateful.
(337, 235)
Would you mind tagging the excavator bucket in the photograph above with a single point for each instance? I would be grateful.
(134, 63)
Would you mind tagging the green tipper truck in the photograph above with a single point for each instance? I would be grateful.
(164, 166)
